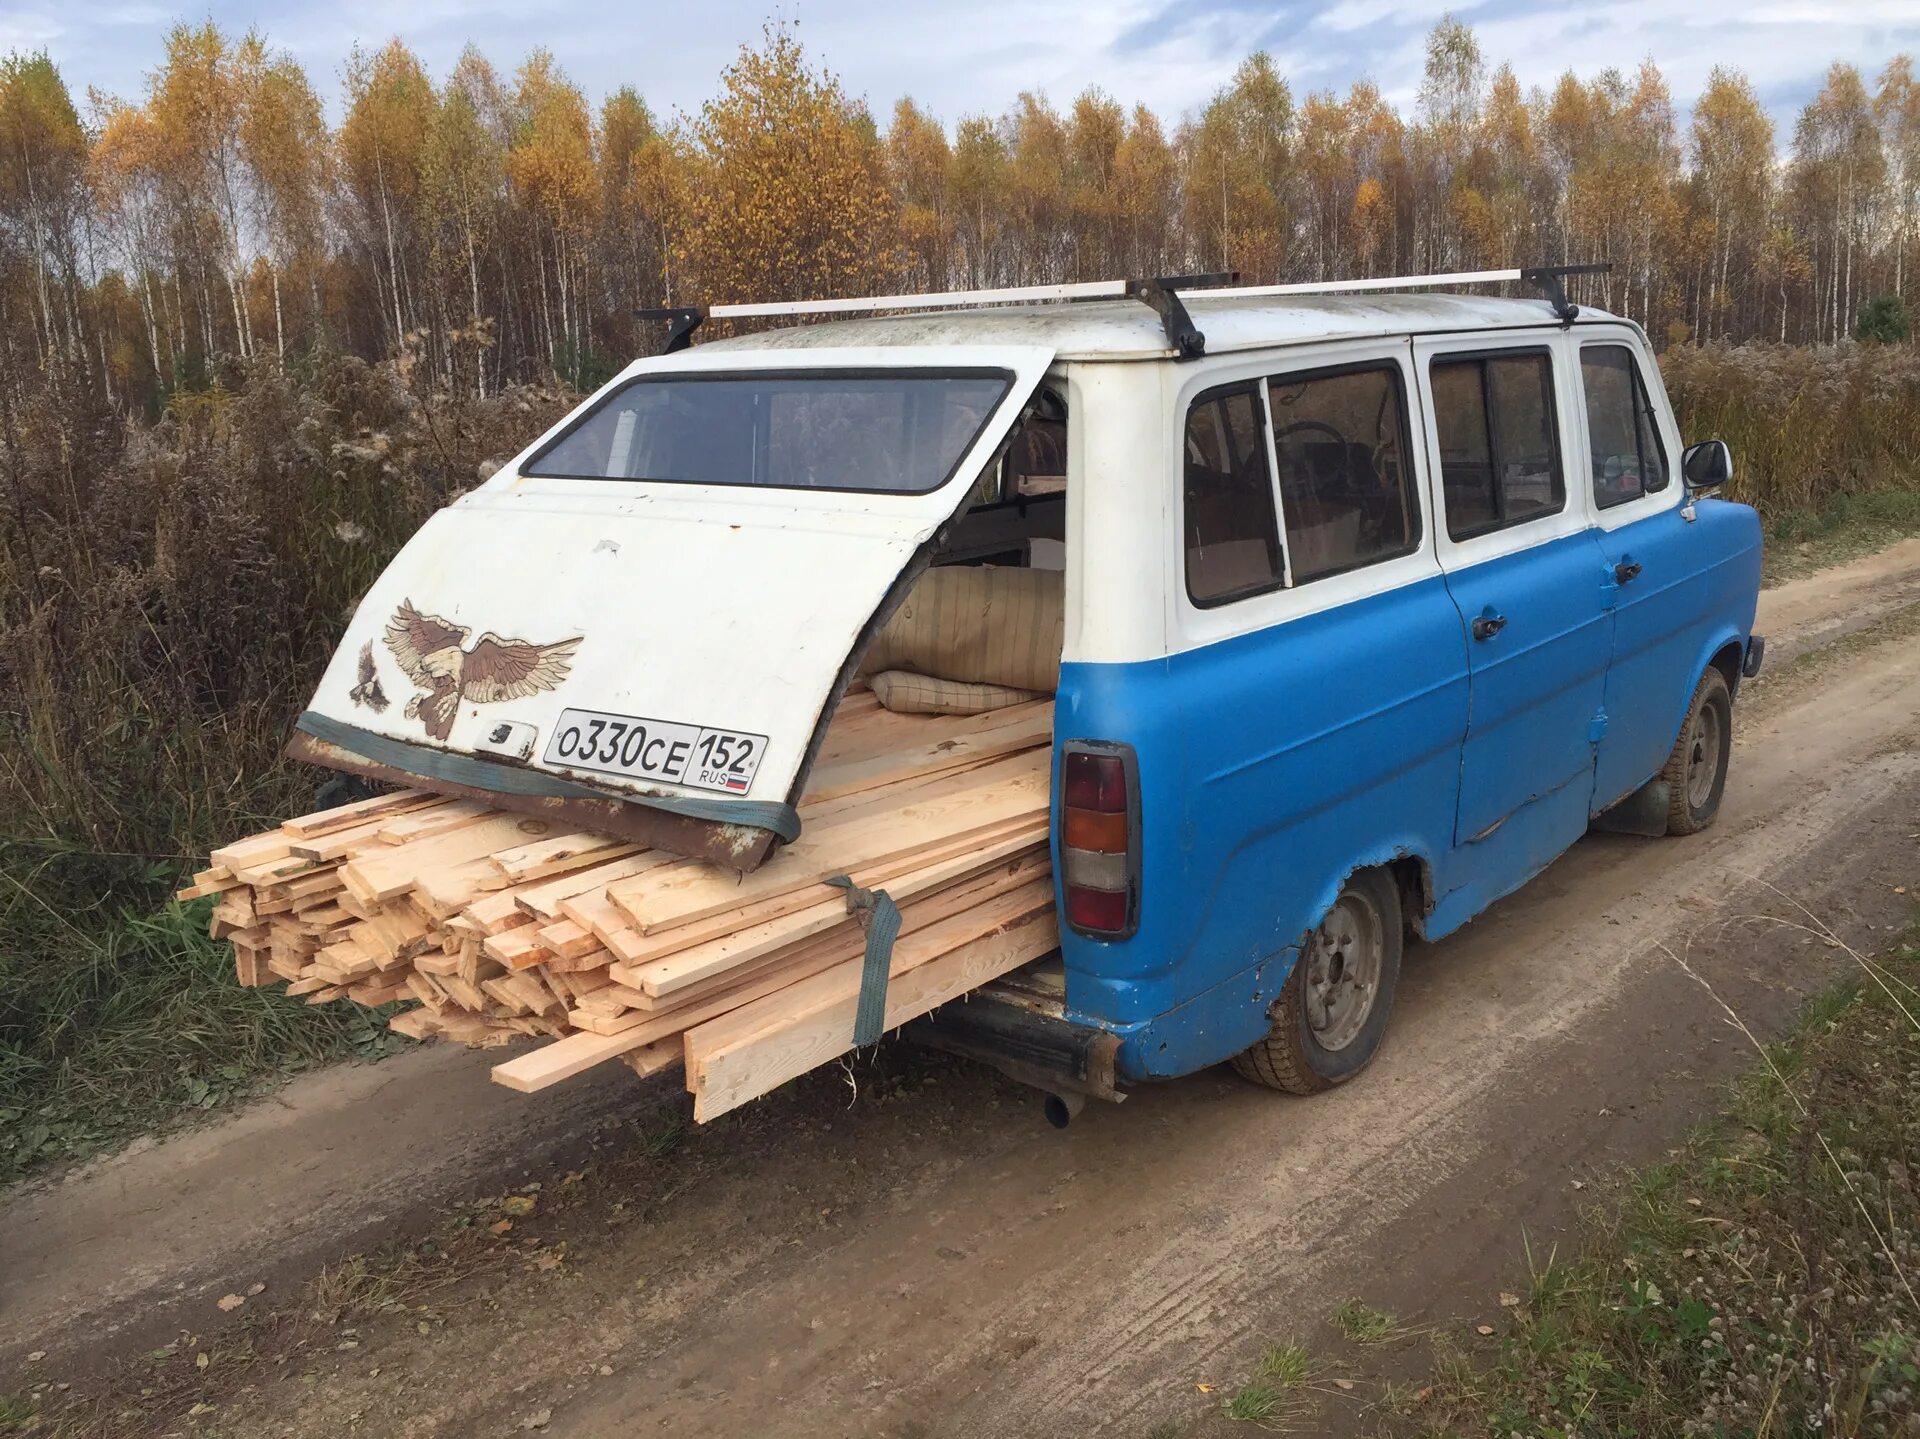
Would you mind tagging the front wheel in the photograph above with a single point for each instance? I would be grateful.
(1332, 1011)
(1696, 771)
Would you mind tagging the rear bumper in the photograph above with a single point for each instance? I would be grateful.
(1204, 1029)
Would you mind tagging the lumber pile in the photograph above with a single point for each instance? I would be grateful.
(489, 927)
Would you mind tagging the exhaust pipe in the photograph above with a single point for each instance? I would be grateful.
(1061, 1108)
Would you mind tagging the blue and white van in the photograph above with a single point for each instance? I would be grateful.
(1373, 602)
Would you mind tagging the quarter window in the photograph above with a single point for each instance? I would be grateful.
(1232, 535)
(1628, 458)
(1339, 439)
(1499, 455)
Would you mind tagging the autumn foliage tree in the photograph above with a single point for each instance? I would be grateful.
(496, 227)
(787, 195)
(43, 198)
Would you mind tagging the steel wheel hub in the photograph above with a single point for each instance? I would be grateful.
(1703, 757)
(1343, 971)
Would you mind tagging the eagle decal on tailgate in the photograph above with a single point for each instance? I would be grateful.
(433, 652)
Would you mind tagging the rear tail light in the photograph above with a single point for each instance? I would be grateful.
(1100, 838)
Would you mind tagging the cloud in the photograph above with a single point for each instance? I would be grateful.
(963, 57)
(27, 33)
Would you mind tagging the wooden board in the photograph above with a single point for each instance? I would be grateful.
(945, 809)
(451, 905)
(681, 1011)
(543, 900)
(576, 1054)
(845, 941)
(934, 751)
(610, 922)
(388, 872)
(435, 819)
(326, 821)
(754, 1050)
(559, 854)
(703, 961)
(336, 844)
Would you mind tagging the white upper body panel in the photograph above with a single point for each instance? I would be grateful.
(699, 609)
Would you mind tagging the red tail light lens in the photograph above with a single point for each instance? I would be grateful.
(1096, 782)
(1097, 911)
(1099, 839)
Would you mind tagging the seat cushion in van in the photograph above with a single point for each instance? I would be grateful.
(910, 694)
(980, 625)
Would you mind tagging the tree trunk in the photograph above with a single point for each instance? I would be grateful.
(153, 328)
(393, 254)
(239, 325)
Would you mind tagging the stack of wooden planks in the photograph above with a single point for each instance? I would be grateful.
(492, 926)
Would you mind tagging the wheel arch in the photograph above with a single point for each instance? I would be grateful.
(1411, 871)
(1413, 877)
(1727, 659)
(1722, 651)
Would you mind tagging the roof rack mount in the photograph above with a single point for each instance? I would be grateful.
(1162, 294)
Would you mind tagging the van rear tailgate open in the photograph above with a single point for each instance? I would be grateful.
(653, 656)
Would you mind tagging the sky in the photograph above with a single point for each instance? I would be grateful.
(960, 57)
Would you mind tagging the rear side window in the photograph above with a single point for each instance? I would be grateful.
(1628, 459)
(1339, 438)
(1499, 450)
(1232, 534)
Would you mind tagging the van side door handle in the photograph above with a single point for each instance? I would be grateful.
(1486, 626)
(1626, 570)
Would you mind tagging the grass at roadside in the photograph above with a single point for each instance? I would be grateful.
(1762, 1283)
(1844, 528)
(115, 1023)
(173, 595)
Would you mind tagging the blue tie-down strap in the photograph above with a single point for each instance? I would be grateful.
(879, 916)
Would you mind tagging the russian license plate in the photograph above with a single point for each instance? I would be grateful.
(684, 754)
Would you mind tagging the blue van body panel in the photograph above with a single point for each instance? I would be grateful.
(1272, 765)
(1495, 865)
(1538, 687)
(1694, 595)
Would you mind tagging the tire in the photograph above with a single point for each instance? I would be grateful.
(1365, 920)
(1696, 771)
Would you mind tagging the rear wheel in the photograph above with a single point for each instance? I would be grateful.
(1332, 1011)
(1696, 772)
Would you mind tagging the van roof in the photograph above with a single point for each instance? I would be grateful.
(1129, 330)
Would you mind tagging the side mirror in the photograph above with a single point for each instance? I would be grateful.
(1707, 465)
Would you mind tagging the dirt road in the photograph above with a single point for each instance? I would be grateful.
(933, 1261)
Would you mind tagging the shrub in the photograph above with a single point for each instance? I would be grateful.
(1884, 320)
(169, 594)
(1806, 425)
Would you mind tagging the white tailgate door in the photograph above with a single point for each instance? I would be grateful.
(650, 638)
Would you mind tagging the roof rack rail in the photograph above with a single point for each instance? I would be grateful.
(1162, 294)
(1546, 277)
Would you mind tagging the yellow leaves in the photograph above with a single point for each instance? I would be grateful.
(550, 163)
(785, 192)
(41, 142)
(390, 110)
